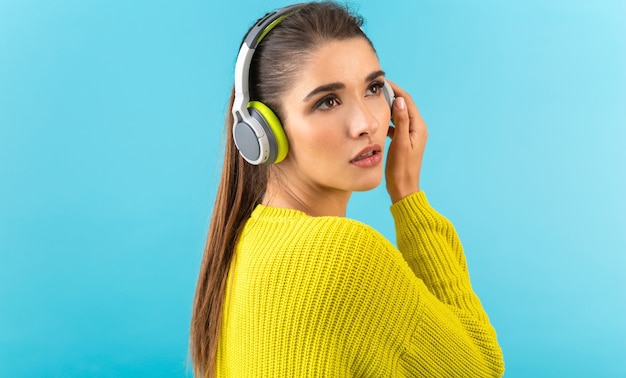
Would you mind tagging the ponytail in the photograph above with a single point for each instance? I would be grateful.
(240, 189)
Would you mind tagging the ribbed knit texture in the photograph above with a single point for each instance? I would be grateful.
(331, 297)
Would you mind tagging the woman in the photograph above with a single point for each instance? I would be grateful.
(289, 286)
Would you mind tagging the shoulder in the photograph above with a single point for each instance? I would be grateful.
(348, 234)
(293, 230)
(319, 253)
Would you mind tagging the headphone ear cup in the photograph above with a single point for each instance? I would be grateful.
(390, 96)
(249, 145)
(278, 144)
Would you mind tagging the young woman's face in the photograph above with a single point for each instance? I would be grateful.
(336, 120)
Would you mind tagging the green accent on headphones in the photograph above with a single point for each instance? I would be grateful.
(271, 26)
(277, 129)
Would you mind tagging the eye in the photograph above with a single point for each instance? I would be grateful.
(327, 103)
(374, 88)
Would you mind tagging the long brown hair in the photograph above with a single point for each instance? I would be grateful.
(275, 64)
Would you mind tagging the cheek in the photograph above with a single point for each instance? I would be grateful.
(384, 120)
(317, 137)
(321, 145)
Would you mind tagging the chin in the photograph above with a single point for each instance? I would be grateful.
(367, 185)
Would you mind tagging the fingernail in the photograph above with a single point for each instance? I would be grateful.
(399, 103)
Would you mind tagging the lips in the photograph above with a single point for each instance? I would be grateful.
(367, 153)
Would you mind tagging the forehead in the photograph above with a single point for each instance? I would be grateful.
(340, 61)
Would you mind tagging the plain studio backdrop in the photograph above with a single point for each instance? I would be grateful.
(111, 119)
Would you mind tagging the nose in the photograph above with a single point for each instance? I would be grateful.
(363, 120)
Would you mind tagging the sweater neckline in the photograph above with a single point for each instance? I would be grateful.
(277, 212)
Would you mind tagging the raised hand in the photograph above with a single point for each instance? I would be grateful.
(408, 141)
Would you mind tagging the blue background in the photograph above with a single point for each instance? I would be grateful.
(111, 117)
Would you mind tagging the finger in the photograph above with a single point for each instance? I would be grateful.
(416, 123)
(400, 118)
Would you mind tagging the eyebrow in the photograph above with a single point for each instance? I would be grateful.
(336, 86)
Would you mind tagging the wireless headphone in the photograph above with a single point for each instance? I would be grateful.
(257, 131)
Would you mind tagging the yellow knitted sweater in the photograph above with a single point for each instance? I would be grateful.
(331, 297)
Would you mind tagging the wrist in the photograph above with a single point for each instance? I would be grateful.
(398, 194)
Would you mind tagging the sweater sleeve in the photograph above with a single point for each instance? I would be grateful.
(454, 329)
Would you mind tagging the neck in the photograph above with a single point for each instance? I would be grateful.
(312, 201)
